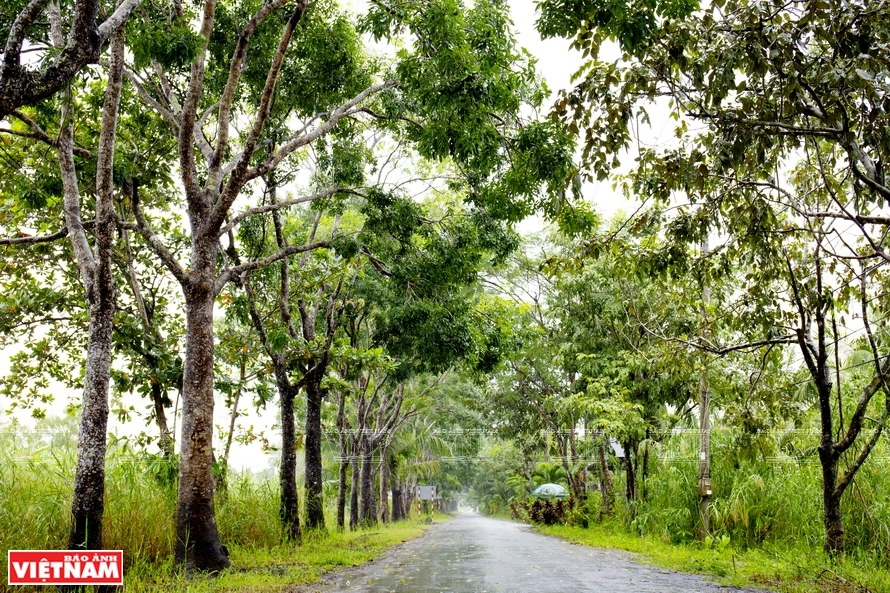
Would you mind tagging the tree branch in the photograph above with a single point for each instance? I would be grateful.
(228, 95)
(229, 273)
(302, 140)
(198, 201)
(26, 239)
(143, 93)
(237, 178)
(862, 219)
(285, 204)
(117, 18)
(23, 87)
(145, 230)
(15, 39)
(38, 133)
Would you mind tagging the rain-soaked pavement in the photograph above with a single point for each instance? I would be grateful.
(474, 554)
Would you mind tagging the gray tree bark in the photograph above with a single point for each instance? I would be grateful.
(314, 477)
(344, 462)
(197, 538)
(368, 507)
(354, 490)
(384, 487)
(20, 86)
(95, 269)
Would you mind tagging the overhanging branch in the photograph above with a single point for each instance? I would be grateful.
(229, 273)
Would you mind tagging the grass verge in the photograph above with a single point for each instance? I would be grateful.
(785, 570)
(276, 569)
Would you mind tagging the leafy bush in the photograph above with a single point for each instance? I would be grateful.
(542, 510)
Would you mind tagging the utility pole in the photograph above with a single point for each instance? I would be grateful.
(704, 419)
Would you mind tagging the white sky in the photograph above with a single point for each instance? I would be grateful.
(556, 62)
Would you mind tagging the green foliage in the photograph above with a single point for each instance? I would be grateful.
(634, 24)
(547, 512)
(548, 473)
(170, 43)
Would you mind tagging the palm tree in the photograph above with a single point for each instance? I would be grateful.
(549, 473)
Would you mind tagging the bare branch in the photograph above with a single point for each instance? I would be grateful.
(19, 86)
(378, 265)
(781, 128)
(147, 232)
(285, 204)
(851, 470)
(143, 93)
(237, 178)
(228, 95)
(86, 263)
(870, 182)
(198, 200)
(235, 271)
(28, 239)
(304, 139)
(117, 18)
(13, 50)
(862, 219)
(38, 133)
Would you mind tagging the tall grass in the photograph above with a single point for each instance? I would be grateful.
(140, 510)
(758, 499)
(140, 505)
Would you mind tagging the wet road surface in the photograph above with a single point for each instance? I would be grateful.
(474, 554)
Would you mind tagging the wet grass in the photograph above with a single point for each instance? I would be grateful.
(785, 569)
(282, 567)
(140, 505)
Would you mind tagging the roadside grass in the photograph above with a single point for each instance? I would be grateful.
(279, 568)
(785, 569)
(282, 567)
(140, 506)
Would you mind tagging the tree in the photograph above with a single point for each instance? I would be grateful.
(455, 93)
(794, 134)
(94, 264)
(95, 268)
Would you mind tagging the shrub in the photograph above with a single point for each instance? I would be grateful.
(541, 510)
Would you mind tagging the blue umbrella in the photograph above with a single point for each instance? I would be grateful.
(550, 491)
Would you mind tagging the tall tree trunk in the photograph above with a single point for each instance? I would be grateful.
(354, 488)
(398, 507)
(834, 526)
(197, 537)
(644, 492)
(341, 494)
(704, 424)
(289, 509)
(384, 488)
(289, 505)
(344, 461)
(368, 511)
(314, 477)
(630, 490)
(88, 502)
(89, 480)
(408, 496)
(828, 458)
(605, 479)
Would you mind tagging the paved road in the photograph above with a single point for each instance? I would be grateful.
(474, 554)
